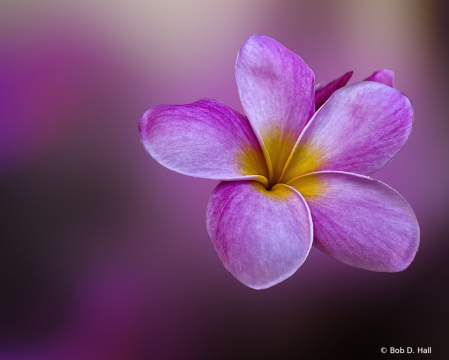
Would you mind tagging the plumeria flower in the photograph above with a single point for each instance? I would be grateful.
(292, 176)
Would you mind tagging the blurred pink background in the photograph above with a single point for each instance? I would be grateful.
(104, 253)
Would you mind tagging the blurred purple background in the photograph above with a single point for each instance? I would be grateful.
(104, 253)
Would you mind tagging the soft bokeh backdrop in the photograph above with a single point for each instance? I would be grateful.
(104, 253)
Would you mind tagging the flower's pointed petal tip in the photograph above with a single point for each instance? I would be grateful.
(382, 76)
(205, 139)
(360, 221)
(267, 285)
(257, 40)
(254, 38)
(276, 88)
(262, 237)
(261, 285)
(324, 90)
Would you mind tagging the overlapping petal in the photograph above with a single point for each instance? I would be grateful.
(204, 139)
(360, 221)
(383, 76)
(277, 93)
(324, 91)
(261, 236)
(359, 129)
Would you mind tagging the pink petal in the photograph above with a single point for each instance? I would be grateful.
(325, 90)
(262, 237)
(360, 221)
(382, 76)
(205, 139)
(359, 129)
(277, 92)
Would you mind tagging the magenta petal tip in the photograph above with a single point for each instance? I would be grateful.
(383, 76)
